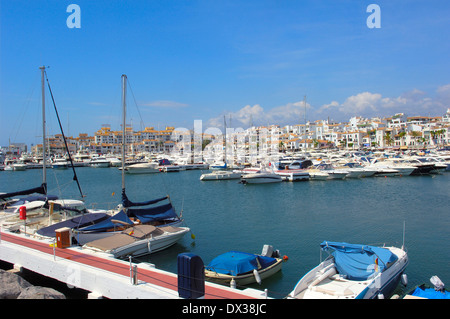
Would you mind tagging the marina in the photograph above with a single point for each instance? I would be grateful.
(293, 217)
(258, 150)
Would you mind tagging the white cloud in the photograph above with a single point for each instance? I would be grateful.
(256, 115)
(366, 104)
(361, 102)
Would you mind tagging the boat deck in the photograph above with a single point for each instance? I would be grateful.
(104, 276)
(334, 287)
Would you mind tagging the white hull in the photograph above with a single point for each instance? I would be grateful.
(355, 173)
(196, 166)
(220, 175)
(150, 246)
(336, 174)
(99, 164)
(123, 245)
(172, 168)
(245, 279)
(86, 237)
(261, 178)
(142, 168)
(319, 176)
(19, 167)
(368, 172)
(386, 172)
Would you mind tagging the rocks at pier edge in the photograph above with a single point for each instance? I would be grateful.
(12, 286)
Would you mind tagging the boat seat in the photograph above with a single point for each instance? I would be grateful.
(346, 292)
(111, 242)
(170, 229)
(142, 231)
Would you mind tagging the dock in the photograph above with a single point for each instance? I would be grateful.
(103, 276)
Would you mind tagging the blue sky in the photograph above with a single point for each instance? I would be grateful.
(199, 60)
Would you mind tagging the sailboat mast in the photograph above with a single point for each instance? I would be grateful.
(124, 106)
(225, 140)
(44, 142)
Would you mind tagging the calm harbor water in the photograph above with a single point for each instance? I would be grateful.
(293, 217)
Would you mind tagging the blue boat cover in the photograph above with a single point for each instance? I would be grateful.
(430, 293)
(40, 190)
(159, 213)
(108, 223)
(127, 203)
(359, 262)
(236, 263)
(74, 223)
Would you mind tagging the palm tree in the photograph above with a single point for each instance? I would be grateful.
(388, 139)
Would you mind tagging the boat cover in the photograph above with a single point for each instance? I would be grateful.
(359, 262)
(430, 293)
(40, 190)
(33, 198)
(236, 263)
(127, 203)
(159, 213)
(108, 223)
(73, 223)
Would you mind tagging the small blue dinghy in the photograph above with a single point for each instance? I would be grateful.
(244, 268)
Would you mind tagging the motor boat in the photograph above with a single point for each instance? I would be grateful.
(425, 291)
(317, 174)
(404, 169)
(364, 171)
(99, 162)
(353, 271)
(332, 173)
(142, 168)
(138, 240)
(60, 163)
(220, 175)
(243, 268)
(261, 178)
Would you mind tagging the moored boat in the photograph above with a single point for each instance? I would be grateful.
(261, 178)
(138, 241)
(99, 162)
(150, 238)
(60, 163)
(243, 268)
(353, 272)
(425, 291)
(142, 168)
(220, 175)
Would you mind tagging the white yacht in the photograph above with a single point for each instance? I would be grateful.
(142, 168)
(262, 176)
(220, 175)
(99, 162)
(60, 163)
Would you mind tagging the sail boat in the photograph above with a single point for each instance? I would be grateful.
(7, 199)
(45, 211)
(37, 206)
(139, 237)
